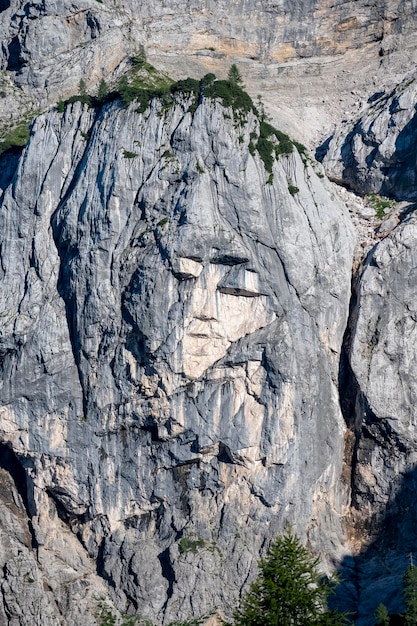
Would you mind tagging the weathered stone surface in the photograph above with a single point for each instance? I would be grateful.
(382, 357)
(376, 153)
(171, 329)
(311, 60)
(383, 347)
(170, 324)
(53, 583)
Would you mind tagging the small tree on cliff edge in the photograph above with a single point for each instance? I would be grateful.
(235, 76)
(410, 594)
(289, 590)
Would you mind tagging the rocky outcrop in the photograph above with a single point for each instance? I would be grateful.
(52, 582)
(172, 313)
(376, 155)
(382, 353)
(376, 152)
(170, 332)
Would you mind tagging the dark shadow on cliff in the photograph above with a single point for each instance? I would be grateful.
(322, 149)
(9, 161)
(401, 172)
(17, 469)
(348, 386)
(375, 575)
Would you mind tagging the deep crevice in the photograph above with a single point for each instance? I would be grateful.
(348, 385)
(15, 61)
(67, 252)
(9, 161)
(168, 573)
(65, 515)
(100, 565)
(10, 462)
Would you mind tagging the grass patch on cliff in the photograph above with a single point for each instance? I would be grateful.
(272, 143)
(141, 83)
(186, 544)
(380, 204)
(230, 95)
(16, 138)
(128, 154)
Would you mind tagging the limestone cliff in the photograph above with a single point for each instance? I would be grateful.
(183, 368)
(375, 153)
(316, 60)
(164, 300)
(382, 358)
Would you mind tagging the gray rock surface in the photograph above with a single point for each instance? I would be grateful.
(382, 357)
(171, 322)
(170, 331)
(376, 152)
(53, 583)
(315, 61)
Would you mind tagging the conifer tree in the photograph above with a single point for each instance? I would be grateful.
(410, 594)
(381, 615)
(82, 87)
(289, 590)
(103, 91)
(235, 76)
(82, 91)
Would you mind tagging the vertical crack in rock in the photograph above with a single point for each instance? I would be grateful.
(64, 249)
(377, 391)
(101, 565)
(168, 573)
(348, 386)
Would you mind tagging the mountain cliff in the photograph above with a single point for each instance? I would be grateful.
(157, 335)
(202, 338)
(312, 60)
(375, 152)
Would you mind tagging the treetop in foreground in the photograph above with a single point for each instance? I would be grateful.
(289, 590)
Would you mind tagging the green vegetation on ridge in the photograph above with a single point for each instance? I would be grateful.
(143, 83)
(16, 138)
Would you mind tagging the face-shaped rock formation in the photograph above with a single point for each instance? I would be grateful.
(171, 334)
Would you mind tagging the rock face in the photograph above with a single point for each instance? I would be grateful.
(376, 153)
(171, 325)
(175, 347)
(41, 582)
(382, 355)
(313, 58)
